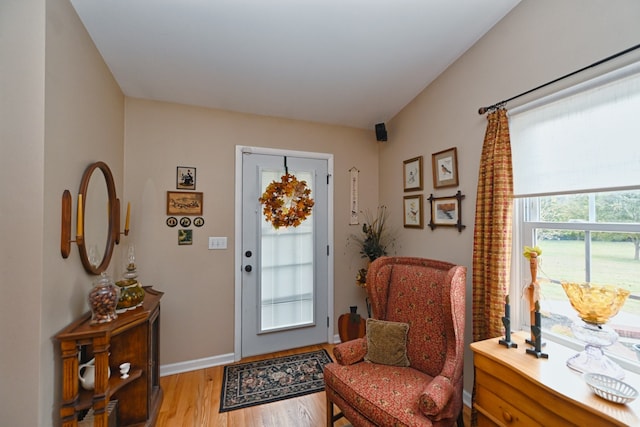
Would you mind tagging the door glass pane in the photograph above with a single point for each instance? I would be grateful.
(287, 279)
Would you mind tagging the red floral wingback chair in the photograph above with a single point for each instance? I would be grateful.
(429, 296)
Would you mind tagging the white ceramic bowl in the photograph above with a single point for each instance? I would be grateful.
(610, 388)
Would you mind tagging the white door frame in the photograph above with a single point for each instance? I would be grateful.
(237, 342)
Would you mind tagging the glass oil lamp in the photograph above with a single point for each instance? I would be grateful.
(131, 293)
(595, 305)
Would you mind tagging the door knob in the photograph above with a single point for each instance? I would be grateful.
(247, 268)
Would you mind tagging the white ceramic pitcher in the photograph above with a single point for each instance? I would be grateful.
(88, 378)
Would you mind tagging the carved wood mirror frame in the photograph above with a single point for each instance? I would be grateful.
(113, 210)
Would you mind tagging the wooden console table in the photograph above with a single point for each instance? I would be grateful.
(132, 337)
(517, 389)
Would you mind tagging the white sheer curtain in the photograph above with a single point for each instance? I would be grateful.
(586, 138)
(287, 292)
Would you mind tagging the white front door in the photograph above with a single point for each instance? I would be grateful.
(284, 285)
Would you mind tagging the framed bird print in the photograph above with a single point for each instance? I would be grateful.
(413, 216)
(445, 168)
(446, 211)
(412, 174)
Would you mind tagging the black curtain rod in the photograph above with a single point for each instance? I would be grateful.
(483, 110)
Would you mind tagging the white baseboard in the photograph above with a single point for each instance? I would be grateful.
(207, 362)
(192, 365)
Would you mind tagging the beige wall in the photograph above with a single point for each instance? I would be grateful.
(21, 208)
(84, 123)
(58, 115)
(198, 307)
(538, 41)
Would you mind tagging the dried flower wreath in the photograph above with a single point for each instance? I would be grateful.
(287, 202)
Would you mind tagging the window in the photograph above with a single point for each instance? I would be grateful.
(576, 163)
(591, 237)
(287, 283)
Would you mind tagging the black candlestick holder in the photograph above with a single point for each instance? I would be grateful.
(536, 333)
(506, 341)
(532, 342)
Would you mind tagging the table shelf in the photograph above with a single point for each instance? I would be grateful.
(132, 337)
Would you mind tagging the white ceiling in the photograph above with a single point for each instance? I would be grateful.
(346, 62)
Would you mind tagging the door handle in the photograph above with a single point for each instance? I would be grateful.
(247, 268)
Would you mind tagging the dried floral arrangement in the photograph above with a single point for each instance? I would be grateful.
(374, 240)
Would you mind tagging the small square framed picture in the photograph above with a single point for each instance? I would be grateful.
(186, 178)
(445, 211)
(445, 168)
(412, 174)
(185, 237)
(413, 216)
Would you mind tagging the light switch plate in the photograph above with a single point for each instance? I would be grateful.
(217, 243)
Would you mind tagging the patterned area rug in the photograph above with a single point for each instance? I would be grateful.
(270, 380)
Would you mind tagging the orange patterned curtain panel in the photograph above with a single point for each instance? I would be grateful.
(493, 229)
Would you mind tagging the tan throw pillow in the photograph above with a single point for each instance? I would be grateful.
(387, 342)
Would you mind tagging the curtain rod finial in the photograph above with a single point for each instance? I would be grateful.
(482, 110)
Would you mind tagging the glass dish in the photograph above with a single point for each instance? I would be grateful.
(610, 388)
(595, 303)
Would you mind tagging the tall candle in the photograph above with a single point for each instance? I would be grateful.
(80, 221)
(126, 221)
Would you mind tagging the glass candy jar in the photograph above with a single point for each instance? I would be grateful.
(103, 300)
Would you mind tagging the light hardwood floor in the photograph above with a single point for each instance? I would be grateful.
(192, 399)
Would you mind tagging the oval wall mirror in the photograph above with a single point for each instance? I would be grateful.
(98, 222)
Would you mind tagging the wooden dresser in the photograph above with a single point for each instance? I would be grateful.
(517, 389)
(132, 337)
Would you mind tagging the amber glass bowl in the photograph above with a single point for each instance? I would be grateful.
(595, 303)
